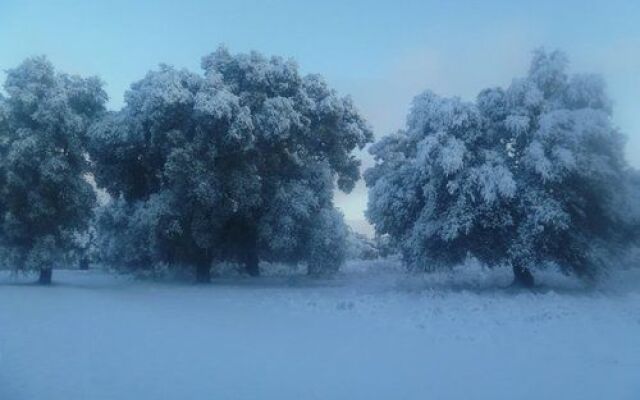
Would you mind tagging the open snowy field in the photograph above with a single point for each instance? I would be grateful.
(370, 333)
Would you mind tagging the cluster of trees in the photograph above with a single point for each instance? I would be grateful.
(526, 176)
(239, 164)
(236, 164)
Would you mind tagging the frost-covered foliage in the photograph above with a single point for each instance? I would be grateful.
(385, 245)
(360, 247)
(528, 175)
(237, 164)
(438, 187)
(46, 199)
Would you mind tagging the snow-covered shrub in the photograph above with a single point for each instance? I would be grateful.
(126, 236)
(326, 242)
(385, 246)
(360, 247)
(235, 165)
(527, 175)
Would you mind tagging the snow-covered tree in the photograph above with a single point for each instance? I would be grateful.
(360, 247)
(236, 164)
(524, 176)
(577, 202)
(46, 199)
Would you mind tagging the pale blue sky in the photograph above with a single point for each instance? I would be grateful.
(382, 53)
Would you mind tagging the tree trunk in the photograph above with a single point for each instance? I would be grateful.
(203, 272)
(313, 269)
(45, 276)
(522, 277)
(251, 257)
(252, 263)
(84, 264)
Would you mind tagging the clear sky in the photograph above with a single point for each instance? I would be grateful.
(381, 53)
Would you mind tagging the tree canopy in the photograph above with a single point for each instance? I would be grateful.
(237, 164)
(530, 175)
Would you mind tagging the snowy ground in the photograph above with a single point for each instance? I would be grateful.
(371, 333)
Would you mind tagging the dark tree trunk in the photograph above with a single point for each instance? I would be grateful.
(45, 276)
(203, 272)
(251, 257)
(522, 277)
(313, 270)
(252, 263)
(84, 263)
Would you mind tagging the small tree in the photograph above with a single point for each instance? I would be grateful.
(238, 164)
(46, 198)
(360, 247)
(530, 175)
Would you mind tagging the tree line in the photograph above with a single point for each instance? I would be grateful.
(239, 163)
